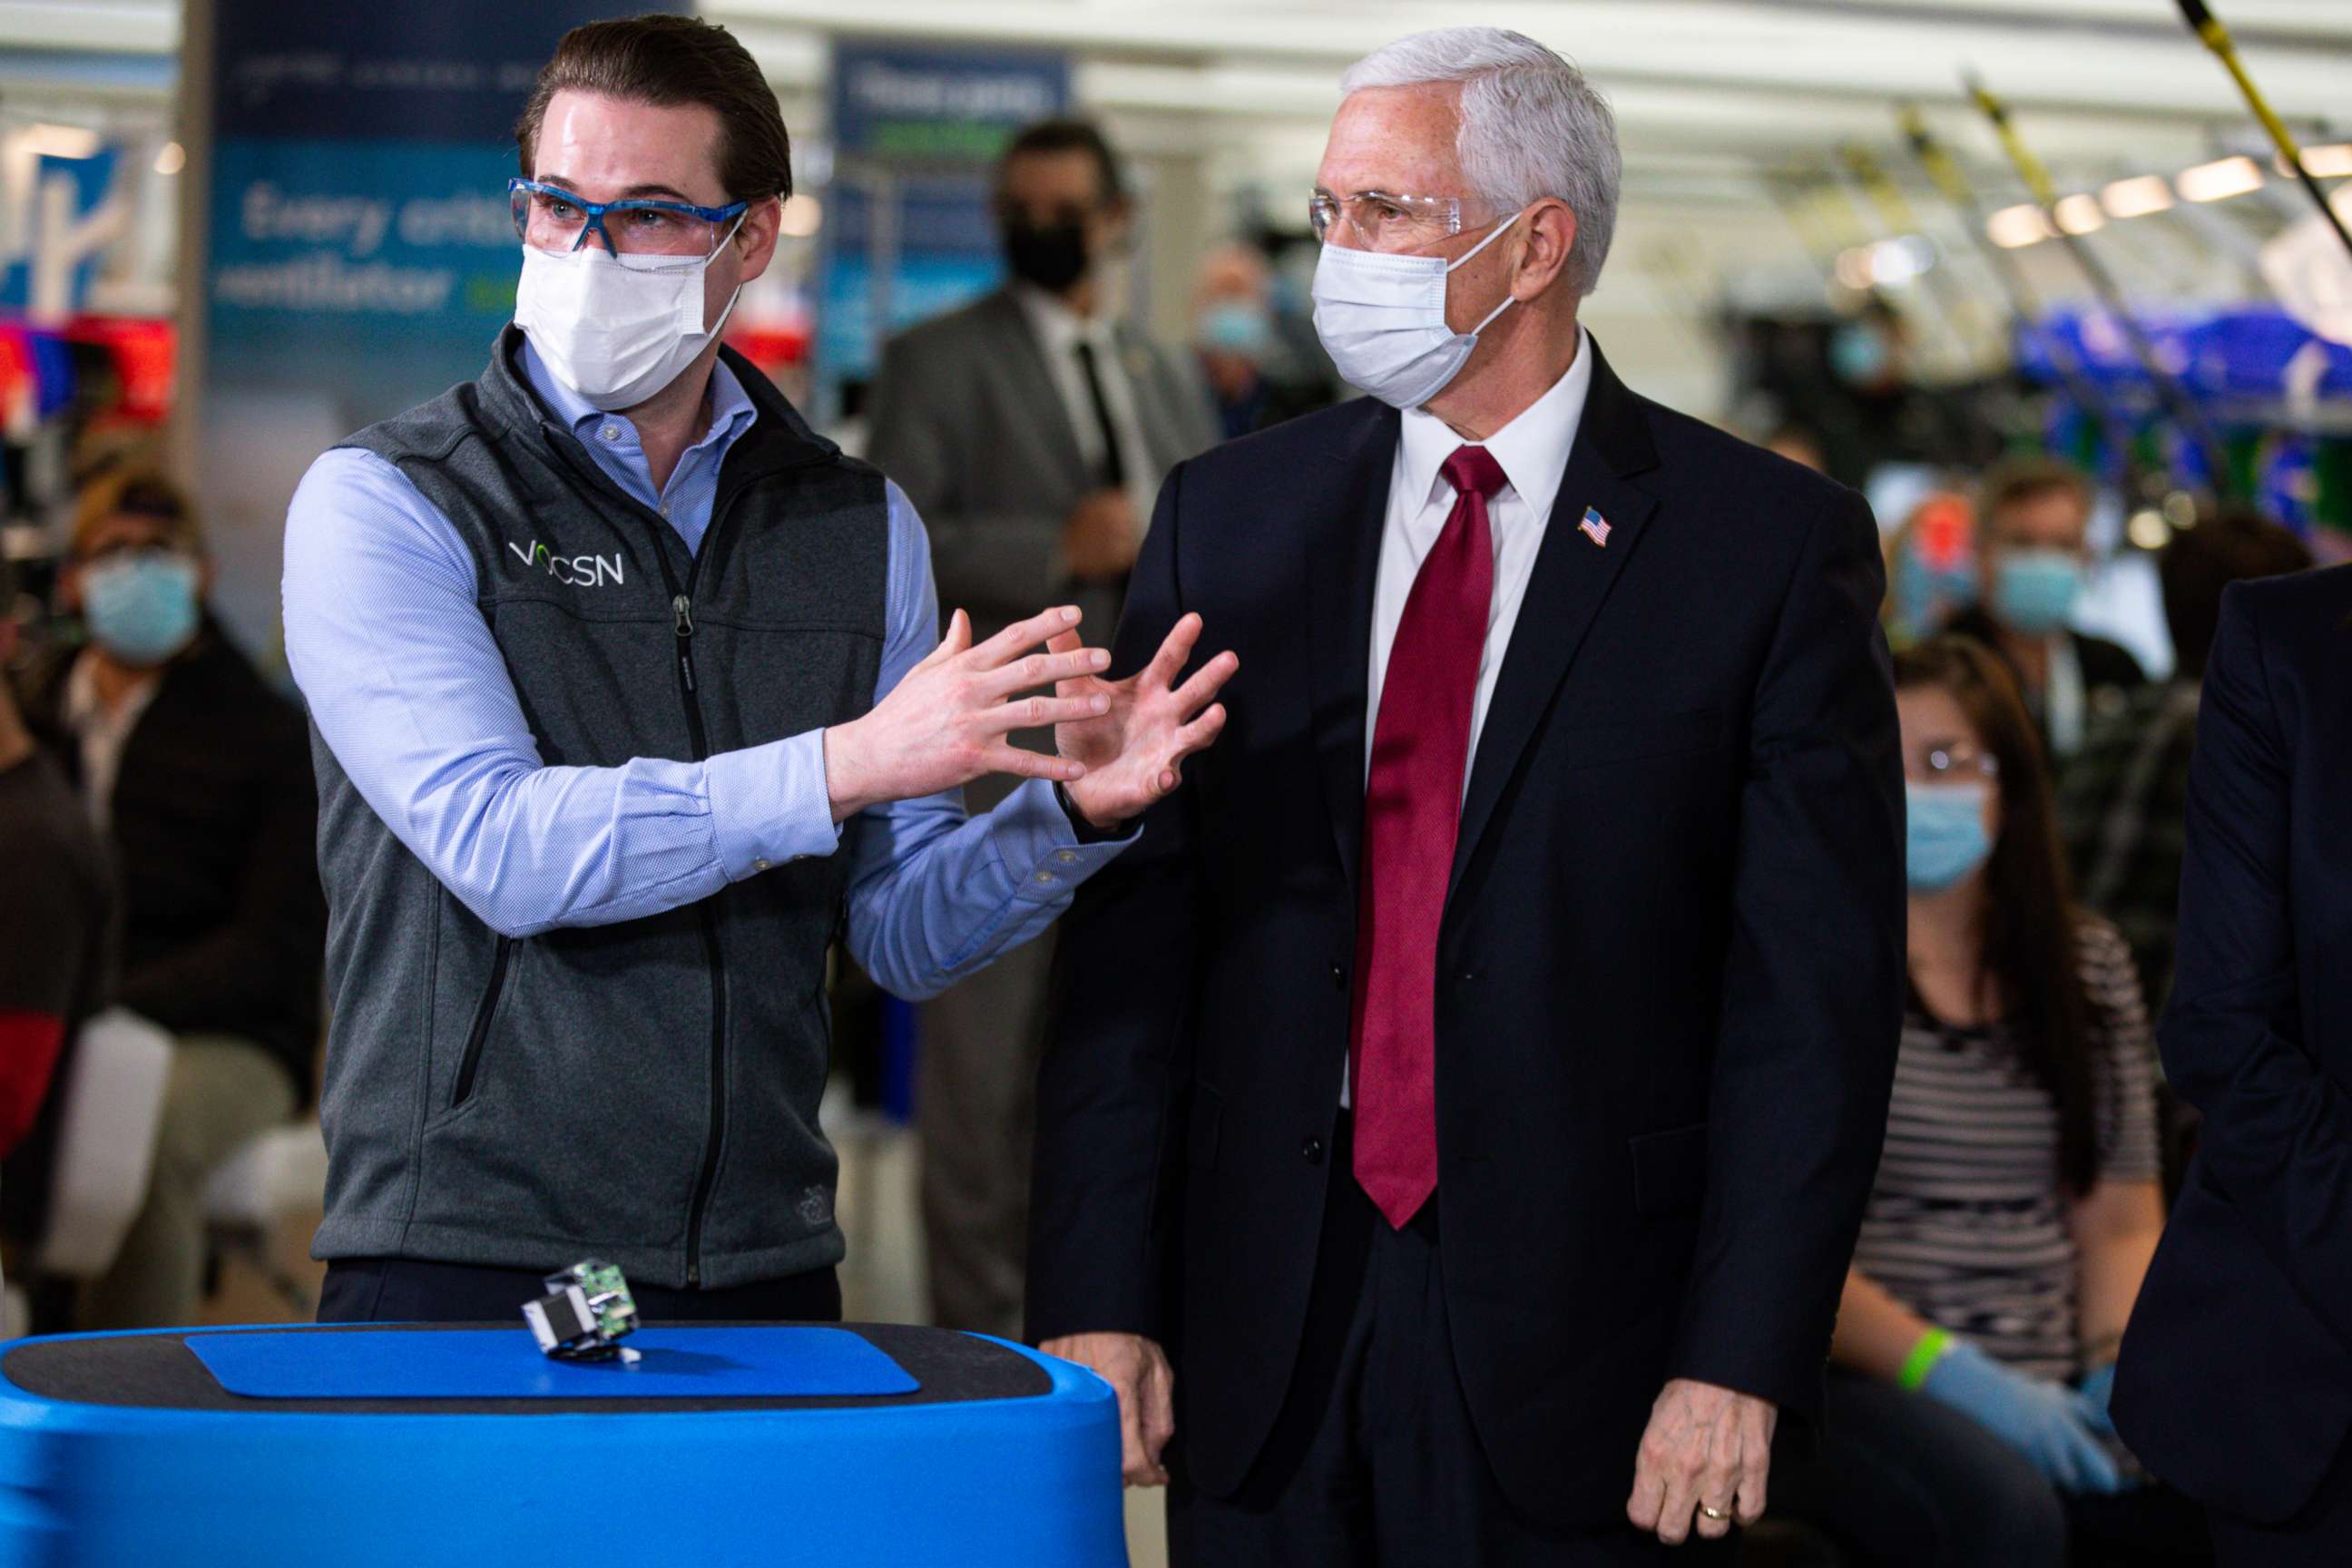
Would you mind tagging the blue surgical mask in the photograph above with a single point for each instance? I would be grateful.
(142, 605)
(1236, 327)
(2037, 590)
(1927, 596)
(1944, 835)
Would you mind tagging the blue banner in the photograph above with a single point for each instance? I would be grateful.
(360, 247)
(359, 257)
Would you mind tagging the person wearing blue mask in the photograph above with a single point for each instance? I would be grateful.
(2016, 1206)
(1252, 375)
(197, 775)
(2033, 551)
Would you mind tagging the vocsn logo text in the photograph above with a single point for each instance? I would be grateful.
(575, 571)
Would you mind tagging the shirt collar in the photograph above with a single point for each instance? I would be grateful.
(731, 408)
(1532, 449)
(1054, 321)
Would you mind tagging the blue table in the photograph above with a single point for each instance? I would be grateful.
(924, 1447)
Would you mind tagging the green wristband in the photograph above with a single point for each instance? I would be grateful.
(1923, 1359)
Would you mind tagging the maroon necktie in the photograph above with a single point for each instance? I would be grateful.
(1412, 813)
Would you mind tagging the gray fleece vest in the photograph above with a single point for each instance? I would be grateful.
(645, 1093)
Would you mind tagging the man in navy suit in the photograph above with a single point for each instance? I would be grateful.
(1463, 1098)
(2235, 1383)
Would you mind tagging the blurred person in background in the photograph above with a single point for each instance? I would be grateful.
(1243, 357)
(197, 773)
(1798, 444)
(1462, 1100)
(2017, 1203)
(2123, 798)
(631, 700)
(1931, 567)
(57, 912)
(2236, 1380)
(1031, 428)
(2033, 554)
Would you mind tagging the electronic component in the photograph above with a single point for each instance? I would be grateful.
(585, 1313)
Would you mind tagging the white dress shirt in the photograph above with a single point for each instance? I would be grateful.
(102, 732)
(1533, 452)
(1060, 331)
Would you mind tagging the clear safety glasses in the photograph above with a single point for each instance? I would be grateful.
(1385, 220)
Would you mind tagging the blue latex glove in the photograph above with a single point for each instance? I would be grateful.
(2094, 1395)
(2045, 1421)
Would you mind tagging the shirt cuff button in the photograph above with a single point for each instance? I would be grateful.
(1067, 856)
(759, 865)
(1044, 877)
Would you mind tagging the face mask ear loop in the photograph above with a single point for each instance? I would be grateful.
(1508, 299)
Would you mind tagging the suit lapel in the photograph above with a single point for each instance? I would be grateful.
(1041, 398)
(1343, 553)
(1572, 576)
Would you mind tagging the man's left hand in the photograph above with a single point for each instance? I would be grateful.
(1703, 1461)
(1134, 753)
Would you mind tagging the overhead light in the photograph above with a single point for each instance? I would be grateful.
(2022, 225)
(2220, 180)
(803, 215)
(2330, 162)
(172, 159)
(2080, 214)
(1896, 261)
(2137, 197)
(60, 140)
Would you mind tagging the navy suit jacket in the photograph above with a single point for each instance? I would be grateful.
(2235, 1383)
(1670, 970)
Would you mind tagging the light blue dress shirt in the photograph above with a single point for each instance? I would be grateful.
(408, 687)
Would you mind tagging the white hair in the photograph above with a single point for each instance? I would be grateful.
(1532, 126)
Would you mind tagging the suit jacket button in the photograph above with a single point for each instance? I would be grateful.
(1313, 1149)
(1340, 976)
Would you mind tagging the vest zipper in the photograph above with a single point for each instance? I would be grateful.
(483, 1012)
(681, 604)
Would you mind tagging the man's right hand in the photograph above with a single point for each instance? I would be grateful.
(946, 723)
(1099, 537)
(1137, 1372)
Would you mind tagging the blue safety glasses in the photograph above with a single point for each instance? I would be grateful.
(549, 217)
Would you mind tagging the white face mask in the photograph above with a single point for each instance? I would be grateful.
(1382, 319)
(616, 329)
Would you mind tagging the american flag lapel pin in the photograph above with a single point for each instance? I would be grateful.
(1595, 527)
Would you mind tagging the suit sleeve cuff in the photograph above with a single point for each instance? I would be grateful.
(770, 805)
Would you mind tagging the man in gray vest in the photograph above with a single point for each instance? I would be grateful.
(627, 706)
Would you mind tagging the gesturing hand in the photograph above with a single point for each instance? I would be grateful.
(1133, 748)
(1137, 1372)
(945, 724)
(1707, 1448)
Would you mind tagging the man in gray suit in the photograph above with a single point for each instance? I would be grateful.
(1032, 431)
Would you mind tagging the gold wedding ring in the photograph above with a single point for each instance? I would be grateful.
(1716, 1514)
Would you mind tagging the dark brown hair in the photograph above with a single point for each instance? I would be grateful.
(141, 491)
(2022, 479)
(2223, 547)
(2029, 963)
(666, 61)
(1069, 136)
